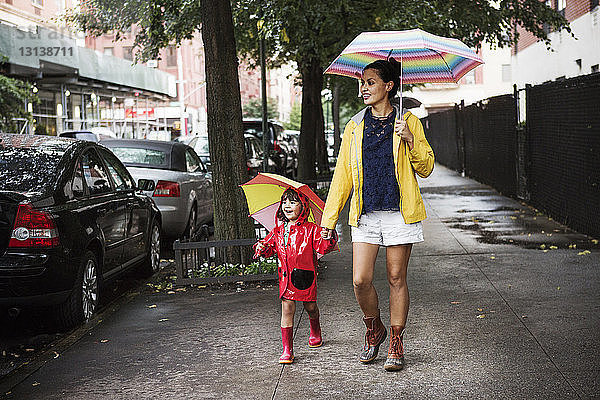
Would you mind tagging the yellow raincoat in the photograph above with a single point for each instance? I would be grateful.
(348, 175)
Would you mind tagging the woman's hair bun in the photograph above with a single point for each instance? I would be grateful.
(395, 65)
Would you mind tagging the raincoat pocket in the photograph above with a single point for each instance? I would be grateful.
(302, 279)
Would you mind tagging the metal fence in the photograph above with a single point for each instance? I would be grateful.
(540, 144)
(563, 129)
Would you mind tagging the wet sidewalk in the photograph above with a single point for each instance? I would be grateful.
(504, 305)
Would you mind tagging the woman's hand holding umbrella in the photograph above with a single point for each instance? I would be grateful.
(401, 129)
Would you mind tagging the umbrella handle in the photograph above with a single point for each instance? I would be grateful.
(401, 103)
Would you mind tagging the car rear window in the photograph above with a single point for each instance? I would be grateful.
(132, 155)
(28, 170)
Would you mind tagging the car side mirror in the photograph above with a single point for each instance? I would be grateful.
(146, 185)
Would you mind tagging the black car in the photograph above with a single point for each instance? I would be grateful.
(71, 218)
(277, 152)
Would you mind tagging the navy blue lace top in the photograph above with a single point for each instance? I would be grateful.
(380, 188)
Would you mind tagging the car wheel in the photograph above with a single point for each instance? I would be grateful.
(192, 226)
(151, 264)
(82, 303)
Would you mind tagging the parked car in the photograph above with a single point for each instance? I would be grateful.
(255, 156)
(183, 186)
(94, 134)
(200, 145)
(278, 154)
(71, 218)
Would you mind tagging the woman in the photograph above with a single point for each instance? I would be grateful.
(380, 153)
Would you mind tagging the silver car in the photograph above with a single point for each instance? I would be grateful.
(183, 186)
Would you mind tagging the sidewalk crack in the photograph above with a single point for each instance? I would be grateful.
(285, 365)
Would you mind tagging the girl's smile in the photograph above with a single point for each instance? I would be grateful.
(291, 209)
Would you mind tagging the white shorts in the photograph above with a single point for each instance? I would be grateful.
(386, 228)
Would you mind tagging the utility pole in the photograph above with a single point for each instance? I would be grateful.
(180, 92)
(263, 95)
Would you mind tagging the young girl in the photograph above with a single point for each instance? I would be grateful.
(296, 242)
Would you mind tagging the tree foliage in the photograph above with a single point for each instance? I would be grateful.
(253, 109)
(295, 118)
(14, 96)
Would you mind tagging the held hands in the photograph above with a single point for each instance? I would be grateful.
(326, 233)
(401, 129)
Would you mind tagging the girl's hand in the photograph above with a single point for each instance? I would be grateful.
(401, 128)
(326, 233)
(259, 247)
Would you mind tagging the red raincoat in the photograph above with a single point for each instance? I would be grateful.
(298, 260)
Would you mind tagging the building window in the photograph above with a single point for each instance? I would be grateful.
(108, 51)
(9, 2)
(469, 78)
(171, 56)
(561, 5)
(128, 53)
(506, 73)
(38, 3)
(595, 68)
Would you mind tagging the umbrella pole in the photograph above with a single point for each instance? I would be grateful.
(401, 102)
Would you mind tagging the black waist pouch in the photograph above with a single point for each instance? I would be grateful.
(302, 279)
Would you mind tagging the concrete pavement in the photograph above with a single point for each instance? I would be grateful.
(504, 305)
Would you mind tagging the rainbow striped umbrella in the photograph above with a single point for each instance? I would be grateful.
(424, 57)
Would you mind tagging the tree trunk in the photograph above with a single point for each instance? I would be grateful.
(225, 132)
(311, 126)
(335, 111)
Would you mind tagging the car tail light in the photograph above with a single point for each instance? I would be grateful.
(276, 146)
(33, 228)
(166, 189)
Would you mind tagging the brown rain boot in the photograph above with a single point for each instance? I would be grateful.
(375, 335)
(395, 358)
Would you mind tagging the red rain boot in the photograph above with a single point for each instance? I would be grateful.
(315, 339)
(287, 338)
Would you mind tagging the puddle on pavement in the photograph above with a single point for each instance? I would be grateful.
(482, 213)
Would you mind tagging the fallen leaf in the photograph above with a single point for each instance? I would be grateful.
(35, 383)
(180, 289)
(558, 288)
(572, 246)
(455, 302)
(170, 292)
(584, 253)
(56, 355)
(201, 286)
(545, 251)
(481, 316)
(152, 306)
(553, 247)
(595, 241)
(492, 257)
(29, 350)
(163, 320)
(104, 341)
(511, 217)
(542, 246)
(480, 309)
(523, 316)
